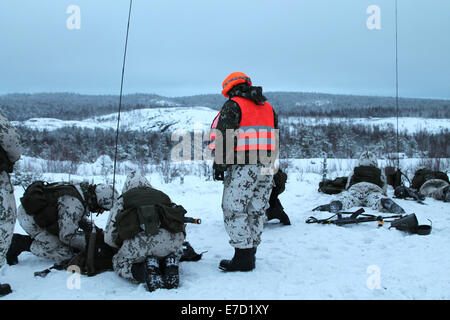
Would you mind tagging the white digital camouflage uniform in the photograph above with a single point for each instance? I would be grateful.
(10, 142)
(245, 199)
(435, 188)
(364, 194)
(70, 213)
(137, 249)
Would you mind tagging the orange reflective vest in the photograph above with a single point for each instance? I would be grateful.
(256, 129)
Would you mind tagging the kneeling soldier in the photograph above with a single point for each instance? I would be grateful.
(55, 218)
(149, 231)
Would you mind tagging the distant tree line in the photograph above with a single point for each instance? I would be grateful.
(338, 140)
(71, 106)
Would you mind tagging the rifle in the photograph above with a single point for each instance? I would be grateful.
(90, 257)
(57, 266)
(354, 218)
(192, 220)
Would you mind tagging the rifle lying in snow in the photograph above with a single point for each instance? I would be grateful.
(355, 217)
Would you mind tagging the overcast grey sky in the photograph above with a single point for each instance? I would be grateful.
(185, 47)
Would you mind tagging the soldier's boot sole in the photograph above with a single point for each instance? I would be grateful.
(19, 244)
(153, 277)
(391, 207)
(171, 277)
(333, 207)
(447, 194)
(5, 289)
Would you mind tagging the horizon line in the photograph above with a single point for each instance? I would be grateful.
(204, 94)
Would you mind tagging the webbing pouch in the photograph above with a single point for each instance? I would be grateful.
(149, 219)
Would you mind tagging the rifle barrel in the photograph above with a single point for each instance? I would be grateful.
(192, 220)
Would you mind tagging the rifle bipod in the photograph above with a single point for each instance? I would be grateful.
(354, 218)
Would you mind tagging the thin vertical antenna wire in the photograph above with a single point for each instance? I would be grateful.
(120, 98)
(396, 81)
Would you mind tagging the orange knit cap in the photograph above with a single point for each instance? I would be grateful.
(234, 79)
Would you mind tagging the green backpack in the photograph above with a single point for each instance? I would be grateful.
(367, 174)
(422, 175)
(40, 201)
(333, 186)
(147, 209)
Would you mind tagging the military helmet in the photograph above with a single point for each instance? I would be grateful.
(369, 159)
(105, 196)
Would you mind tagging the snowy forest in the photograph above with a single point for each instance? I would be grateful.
(66, 106)
(330, 127)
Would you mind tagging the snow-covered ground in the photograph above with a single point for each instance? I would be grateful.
(301, 261)
(190, 118)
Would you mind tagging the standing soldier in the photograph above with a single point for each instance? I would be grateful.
(10, 152)
(240, 161)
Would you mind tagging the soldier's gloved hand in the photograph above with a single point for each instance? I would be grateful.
(85, 225)
(218, 172)
(98, 230)
(218, 175)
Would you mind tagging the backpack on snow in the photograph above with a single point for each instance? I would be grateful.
(333, 186)
(40, 201)
(422, 175)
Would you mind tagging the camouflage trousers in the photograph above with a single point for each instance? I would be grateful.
(363, 194)
(434, 188)
(137, 249)
(8, 215)
(45, 244)
(245, 199)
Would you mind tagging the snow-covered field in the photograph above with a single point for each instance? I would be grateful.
(301, 261)
(190, 118)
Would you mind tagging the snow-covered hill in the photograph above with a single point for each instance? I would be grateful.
(154, 119)
(408, 124)
(190, 118)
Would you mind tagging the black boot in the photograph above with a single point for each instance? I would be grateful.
(277, 212)
(333, 207)
(447, 194)
(243, 260)
(4, 289)
(171, 277)
(153, 277)
(19, 244)
(391, 207)
(284, 219)
(138, 272)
